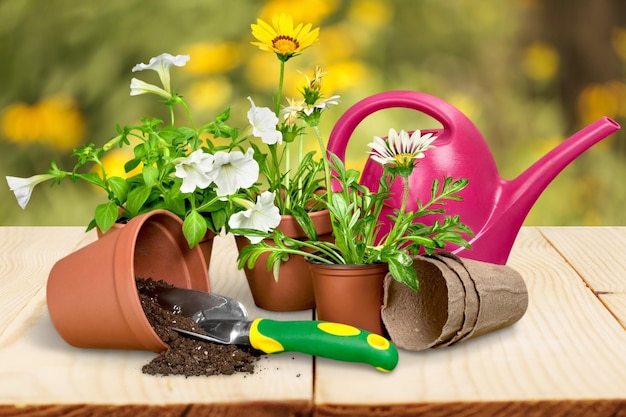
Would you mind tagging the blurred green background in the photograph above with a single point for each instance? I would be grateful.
(528, 73)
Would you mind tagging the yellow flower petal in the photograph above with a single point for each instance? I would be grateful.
(282, 37)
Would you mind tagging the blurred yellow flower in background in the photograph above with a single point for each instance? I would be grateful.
(211, 58)
(345, 75)
(599, 100)
(618, 40)
(337, 43)
(54, 120)
(540, 61)
(210, 94)
(372, 13)
(312, 11)
(114, 161)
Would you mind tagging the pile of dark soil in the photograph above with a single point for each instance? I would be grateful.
(189, 356)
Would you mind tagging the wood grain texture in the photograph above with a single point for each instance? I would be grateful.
(247, 409)
(617, 304)
(610, 408)
(565, 357)
(596, 253)
(38, 368)
(566, 347)
(26, 256)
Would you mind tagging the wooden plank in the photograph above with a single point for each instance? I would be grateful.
(617, 304)
(37, 368)
(567, 348)
(26, 256)
(596, 253)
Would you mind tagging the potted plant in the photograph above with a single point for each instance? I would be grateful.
(348, 271)
(283, 132)
(213, 177)
(203, 174)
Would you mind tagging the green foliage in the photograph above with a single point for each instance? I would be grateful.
(355, 216)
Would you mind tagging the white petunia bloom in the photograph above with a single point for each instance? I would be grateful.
(161, 64)
(138, 87)
(400, 149)
(263, 216)
(264, 122)
(23, 187)
(196, 171)
(234, 170)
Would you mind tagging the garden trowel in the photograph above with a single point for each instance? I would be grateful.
(225, 321)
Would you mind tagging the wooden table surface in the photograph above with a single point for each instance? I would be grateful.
(565, 357)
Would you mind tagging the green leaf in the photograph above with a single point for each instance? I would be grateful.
(132, 164)
(119, 187)
(219, 219)
(136, 199)
(93, 178)
(106, 215)
(305, 222)
(150, 175)
(194, 228)
(403, 273)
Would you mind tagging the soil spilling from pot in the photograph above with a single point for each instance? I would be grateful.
(188, 356)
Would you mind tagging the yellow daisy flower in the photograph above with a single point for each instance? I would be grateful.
(282, 37)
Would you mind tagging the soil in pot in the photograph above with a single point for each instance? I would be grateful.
(188, 356)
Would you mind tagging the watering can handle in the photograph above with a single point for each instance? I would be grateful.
(449, 116)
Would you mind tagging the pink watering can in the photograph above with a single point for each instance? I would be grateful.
(494, 208)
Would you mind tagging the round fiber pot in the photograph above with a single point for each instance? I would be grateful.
(293, 290)
(350, 294)
(92, 294)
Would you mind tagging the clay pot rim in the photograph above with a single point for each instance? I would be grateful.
(340, 266)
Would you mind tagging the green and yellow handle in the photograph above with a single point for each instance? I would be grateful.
(324, 339)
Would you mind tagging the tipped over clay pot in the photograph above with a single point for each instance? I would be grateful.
(92, 295)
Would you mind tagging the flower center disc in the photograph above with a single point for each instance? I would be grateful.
(285, 44)
(404, 159)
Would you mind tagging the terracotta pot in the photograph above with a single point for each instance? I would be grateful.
(293, 291)
(206, 244)
(350, 294)
(92, 295)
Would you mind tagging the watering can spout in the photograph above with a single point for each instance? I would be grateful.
(539, 175)
(519, 195)
(494, 208)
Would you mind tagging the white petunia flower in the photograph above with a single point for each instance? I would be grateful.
(23, 187)
(234, 170)
(263, 216)
(400, 150)
(264, 122)
(138, 87)
(196, 171)
(161, 64)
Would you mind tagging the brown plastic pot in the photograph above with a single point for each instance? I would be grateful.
(293, 291)
(350, 294)
(92, 295)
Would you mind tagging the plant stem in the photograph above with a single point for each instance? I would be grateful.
(326, 163)
(287, 183)
(399, 223)
(281, 80)
(300, 154)
(171, 113)
(188, 111)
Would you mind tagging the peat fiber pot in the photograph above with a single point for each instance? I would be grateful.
(92, 295)
(350, 294)
(293, 291)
